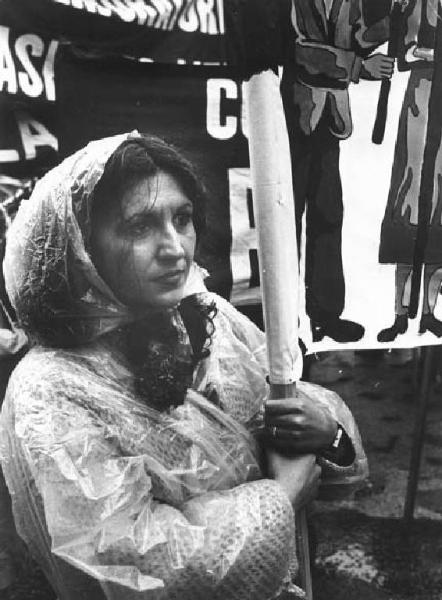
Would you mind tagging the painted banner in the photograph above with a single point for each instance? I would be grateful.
(359, 245)
(356, 247)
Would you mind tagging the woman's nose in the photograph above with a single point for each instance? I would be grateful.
(170, 245)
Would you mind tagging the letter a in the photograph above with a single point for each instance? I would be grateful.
(34, 134)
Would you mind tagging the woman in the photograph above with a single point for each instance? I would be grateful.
(399, 227)
(133, 430)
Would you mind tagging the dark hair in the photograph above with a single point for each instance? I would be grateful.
(161, 362)
(145, 156)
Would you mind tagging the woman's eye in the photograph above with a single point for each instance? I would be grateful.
(183, 220)
(139, 227)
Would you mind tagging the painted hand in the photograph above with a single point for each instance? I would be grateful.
(379, 66)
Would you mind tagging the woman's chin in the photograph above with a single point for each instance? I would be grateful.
(168, 299)
(154, 298)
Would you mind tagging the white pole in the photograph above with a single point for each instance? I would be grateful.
(275, 223)
(277, 250)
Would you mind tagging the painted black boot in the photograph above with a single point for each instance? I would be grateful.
(431, 324)
(340, 330)
(399, 326)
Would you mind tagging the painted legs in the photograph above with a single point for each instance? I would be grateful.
(428, 322)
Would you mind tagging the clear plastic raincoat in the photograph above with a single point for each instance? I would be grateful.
(116, 499)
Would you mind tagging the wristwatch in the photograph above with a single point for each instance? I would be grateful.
(340, 451)
(338, 437)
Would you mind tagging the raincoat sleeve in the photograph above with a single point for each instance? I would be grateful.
(250, 349)
(102, 515)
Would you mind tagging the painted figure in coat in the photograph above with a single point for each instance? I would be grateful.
(334, 46)
(399, 226)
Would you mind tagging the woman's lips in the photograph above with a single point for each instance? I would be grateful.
(171, 277)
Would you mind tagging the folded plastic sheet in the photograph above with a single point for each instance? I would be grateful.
(164, 504)
(135, 501)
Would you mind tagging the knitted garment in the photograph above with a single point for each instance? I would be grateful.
(114, 498)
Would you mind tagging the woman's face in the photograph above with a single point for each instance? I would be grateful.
(144, 246)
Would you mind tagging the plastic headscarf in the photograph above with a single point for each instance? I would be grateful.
(50, 278)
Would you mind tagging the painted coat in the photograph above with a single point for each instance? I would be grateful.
(330, 47)
(399, 226)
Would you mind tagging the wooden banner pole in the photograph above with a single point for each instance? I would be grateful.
(277, 250)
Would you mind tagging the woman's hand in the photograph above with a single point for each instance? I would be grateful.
(299, 476)
(299, 425)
